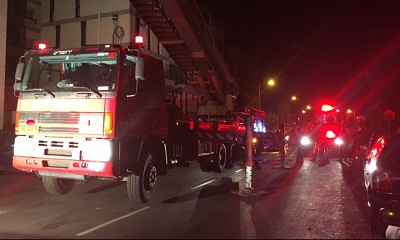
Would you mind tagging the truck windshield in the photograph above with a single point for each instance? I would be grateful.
(95, 71)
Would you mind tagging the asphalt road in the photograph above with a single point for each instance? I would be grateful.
(305, 201)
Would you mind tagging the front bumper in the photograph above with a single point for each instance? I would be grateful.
(77, 156)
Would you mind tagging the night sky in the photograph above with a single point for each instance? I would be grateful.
(344, 50)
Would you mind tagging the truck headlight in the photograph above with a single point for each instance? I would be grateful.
(338, 141)
(305, 140)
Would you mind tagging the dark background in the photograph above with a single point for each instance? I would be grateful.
(345, 50)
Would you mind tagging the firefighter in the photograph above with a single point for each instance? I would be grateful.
(361, 137)
(322, 142)
(299, 135)
(173, 109)
(282, 143)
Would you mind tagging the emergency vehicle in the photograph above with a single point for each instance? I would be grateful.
(324, 129)
(99, 112)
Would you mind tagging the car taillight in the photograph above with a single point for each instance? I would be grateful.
(381, 181)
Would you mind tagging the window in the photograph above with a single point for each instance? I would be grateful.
(51, 10)
(83, 33)
(61, 73)
(58, 38)
(77, 8)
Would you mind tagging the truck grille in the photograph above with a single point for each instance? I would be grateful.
(58, 117)
(60, 122)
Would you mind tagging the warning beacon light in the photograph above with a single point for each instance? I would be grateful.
(326, 108)
(139, 41)
(42, 46)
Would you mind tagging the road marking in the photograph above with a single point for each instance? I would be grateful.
(247, 228)
(110, 222)
(198, 186)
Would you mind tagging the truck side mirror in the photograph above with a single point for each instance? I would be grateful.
(17, 86)
(139, 70)
(139, 79)
(19, 71)
(18, 77)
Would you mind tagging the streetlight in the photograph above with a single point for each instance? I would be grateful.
(293, 98)
(271, 82)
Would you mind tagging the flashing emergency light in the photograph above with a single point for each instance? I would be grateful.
(139, 41)
(42, 46)
(330, 134)
(326, 107)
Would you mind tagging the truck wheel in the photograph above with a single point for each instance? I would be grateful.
(220, 161)
(231, 157)
(57, 186)
(141, 185)
(205, 166)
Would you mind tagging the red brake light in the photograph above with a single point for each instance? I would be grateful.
(381, 181)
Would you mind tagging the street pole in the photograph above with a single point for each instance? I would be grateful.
(259, 96)
(249, 153)
(249, 190)
(285, 113)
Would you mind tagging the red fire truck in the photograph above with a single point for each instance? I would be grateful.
(99, 112)
(323, 131)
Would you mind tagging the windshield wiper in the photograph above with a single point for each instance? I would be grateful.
(46, 92)
(98, 94)
(68, 84)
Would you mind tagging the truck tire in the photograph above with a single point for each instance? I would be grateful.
(205, 166)
(220, 161)
(141, 185)
(57, 186)
(231, 157)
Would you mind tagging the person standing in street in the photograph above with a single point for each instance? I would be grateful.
(362, 136)
(282, 143)
(299, 150)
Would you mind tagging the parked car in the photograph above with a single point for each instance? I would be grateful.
(382, 181)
